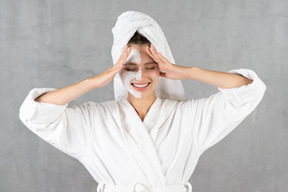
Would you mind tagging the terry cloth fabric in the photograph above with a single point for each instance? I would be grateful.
(127, 24)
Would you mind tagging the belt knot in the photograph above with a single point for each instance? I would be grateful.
(139, 187)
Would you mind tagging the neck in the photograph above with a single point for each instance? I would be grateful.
(141, 106)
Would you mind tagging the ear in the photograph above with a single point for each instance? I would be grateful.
(163, 74)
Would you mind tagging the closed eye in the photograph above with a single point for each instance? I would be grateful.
(131, 69)
(151, 65)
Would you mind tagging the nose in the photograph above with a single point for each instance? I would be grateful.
(143, 73)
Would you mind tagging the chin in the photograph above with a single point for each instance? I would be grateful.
(143, 96)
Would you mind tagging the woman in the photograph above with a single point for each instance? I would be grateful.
(150, 138)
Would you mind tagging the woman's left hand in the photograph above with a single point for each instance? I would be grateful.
(220, 79)
(168, 70)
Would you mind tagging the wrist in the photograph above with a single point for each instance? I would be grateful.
(192, 72)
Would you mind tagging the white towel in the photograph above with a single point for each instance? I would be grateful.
(127, 24)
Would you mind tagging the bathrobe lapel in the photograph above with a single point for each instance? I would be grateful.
(139, 142)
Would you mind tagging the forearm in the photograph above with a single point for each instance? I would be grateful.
(64, 95)
(220, 79)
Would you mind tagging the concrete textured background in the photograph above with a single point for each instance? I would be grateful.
(55, 43)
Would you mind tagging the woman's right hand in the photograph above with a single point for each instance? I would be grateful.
(107, 76)
(66, 94)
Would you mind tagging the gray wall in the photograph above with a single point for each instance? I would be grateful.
(54, 43)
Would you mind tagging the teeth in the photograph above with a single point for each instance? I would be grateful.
(144, 85)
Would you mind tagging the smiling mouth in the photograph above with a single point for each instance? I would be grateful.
(140, 85)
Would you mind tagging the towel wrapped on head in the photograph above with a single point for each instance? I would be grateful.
(127, 24)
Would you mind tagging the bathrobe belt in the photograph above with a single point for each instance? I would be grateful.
(138, 187)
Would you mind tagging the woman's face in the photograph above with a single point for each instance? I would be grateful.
(140, 74)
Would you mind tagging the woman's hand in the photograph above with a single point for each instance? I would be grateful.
(220, 79)
(107, 76)
(168, 70)
(66, 94)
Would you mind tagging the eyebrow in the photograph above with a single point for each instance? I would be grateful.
(151, 62)
(129, 64)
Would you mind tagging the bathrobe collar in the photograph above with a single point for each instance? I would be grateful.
(139, 141)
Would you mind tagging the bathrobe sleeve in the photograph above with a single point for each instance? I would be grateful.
(217, 115)
(67, 129)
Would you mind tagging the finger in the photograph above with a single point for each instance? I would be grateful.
(128, 51)
(117, 67)
(149, 51)
(153, 47)
(159, 58)
(150, 54)
(156, 57)
(124, 55)
(153, 50)
(153, 57)
(163, 58)
(165, 63)
(154, 54)
(159, 55)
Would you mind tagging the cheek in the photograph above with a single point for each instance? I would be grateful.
(155, 74)
(126, 77)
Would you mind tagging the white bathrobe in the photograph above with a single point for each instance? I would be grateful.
(123, 153)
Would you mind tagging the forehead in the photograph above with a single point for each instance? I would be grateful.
(139, 53)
